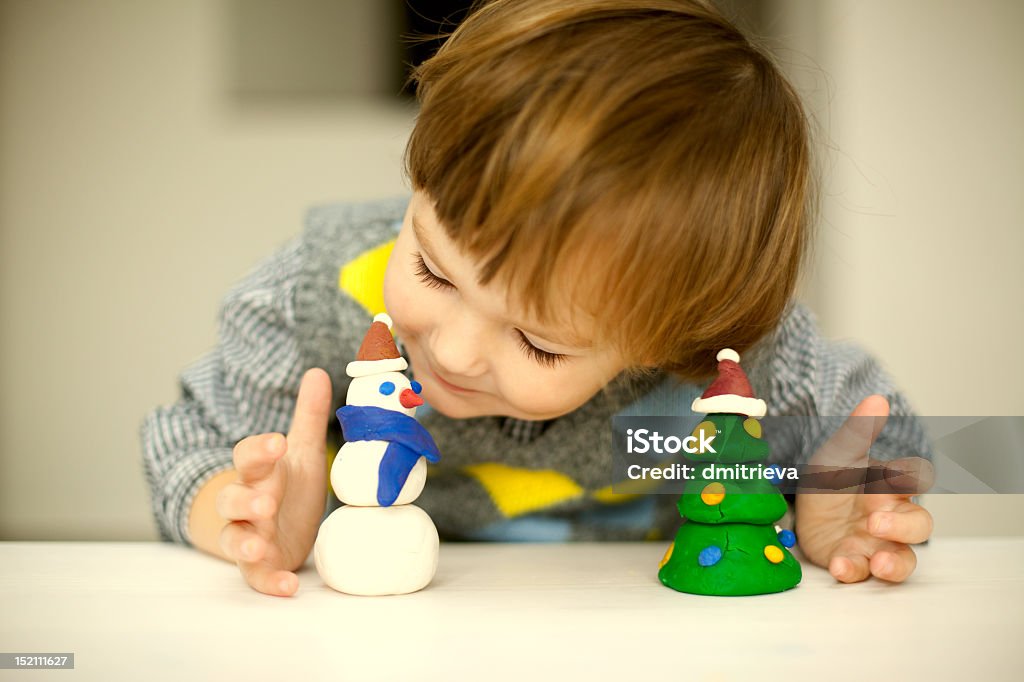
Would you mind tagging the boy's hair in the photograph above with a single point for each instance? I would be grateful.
(640, 156)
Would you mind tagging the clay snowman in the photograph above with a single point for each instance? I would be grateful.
(379, 543)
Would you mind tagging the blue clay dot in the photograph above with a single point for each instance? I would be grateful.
(787, 538)
(710, 555)
(416, 388)
(387, 388)
(773, 472)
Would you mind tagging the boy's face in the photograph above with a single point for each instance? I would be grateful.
(473, 355)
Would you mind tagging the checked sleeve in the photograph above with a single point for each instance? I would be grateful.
(812, 375)
(245, 386)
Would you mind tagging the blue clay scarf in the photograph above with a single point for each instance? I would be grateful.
(407, 442)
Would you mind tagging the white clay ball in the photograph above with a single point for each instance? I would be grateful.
(377, 550)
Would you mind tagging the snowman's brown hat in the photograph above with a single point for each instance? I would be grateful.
(378, 352)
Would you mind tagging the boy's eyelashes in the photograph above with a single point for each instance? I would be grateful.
(432, 280)
(541, 356)
(428, 277)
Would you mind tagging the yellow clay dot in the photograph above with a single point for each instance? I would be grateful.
(712, 494)
(773, 553)
(709, 430)
(668, 555)
(753, 427)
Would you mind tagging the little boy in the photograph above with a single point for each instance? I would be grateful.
(606, 193)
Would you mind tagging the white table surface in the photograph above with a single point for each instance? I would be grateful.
(152, 611)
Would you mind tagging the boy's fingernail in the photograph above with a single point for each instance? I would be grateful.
(259, 506)
(882, 524)
(275, 443)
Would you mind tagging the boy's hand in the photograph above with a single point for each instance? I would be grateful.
(856, 535)
(275, 506)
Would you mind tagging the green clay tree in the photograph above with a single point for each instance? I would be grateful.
(728, 544)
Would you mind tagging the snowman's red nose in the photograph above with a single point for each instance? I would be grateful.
(409, 399)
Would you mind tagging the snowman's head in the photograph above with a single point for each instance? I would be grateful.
(389, 390)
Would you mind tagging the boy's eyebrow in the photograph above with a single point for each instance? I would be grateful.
(573, 341)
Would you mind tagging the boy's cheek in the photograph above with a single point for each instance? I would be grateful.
(410, 320)
(396, 295)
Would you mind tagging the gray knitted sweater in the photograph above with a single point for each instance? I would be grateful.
(499, 478)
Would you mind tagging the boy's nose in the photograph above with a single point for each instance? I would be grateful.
(409, 399)
(456, 348)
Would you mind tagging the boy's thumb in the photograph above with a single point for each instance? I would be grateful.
(308, 430)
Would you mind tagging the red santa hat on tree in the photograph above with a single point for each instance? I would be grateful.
(378, 352)
(731, 392)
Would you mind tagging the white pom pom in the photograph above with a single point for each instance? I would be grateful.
(728, 354)
(383, 317)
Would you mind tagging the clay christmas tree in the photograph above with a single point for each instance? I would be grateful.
(379, 543)
(728, 543)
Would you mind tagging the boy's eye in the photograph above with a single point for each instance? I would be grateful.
(429, 278)
(415, 386)
(387, 388)
(541, 356)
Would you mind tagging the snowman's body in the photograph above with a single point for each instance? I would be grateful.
(354, 474)
(376, 546)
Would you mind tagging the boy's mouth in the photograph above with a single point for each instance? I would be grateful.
(446, 384)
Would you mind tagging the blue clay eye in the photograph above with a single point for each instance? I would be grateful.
(387, 388)
(416, 388)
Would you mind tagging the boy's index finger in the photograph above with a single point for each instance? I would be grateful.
(254, 457)
(308, 429)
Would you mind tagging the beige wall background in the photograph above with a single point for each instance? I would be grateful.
(150, 155)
